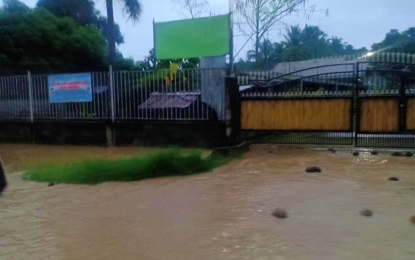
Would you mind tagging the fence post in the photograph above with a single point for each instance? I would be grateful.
(356, 106)
(112, 95)
(29, 81)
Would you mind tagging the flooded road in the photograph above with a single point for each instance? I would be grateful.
(225, 214)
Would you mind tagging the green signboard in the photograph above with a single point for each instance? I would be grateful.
(192, 38)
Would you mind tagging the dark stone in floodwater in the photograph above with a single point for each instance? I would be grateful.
(374, 153)
(51, 184)
(393, 179)
(3, 182)
(409, 154)
(270, 152)
(413, 219)
(355, 153)
(332, 150)
(280, 213)
(313, 169)
(398, 154)
(366, 213)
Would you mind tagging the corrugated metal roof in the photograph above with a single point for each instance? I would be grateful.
(170, 100)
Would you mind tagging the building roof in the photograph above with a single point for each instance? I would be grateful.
(170, 100)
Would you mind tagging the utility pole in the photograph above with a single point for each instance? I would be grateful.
(231, 38)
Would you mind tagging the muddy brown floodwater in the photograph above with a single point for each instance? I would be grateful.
(225, 214)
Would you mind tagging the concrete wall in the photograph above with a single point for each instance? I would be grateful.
(205, 134)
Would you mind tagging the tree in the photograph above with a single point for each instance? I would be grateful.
(293, 37)
(82, 11)
(10, 6)
(39, 41)
(150, 62)
(299, 44)
(397, 42)
(269, 54)
(336, 45)
(194, 8)
(132, 9)
(257, 17)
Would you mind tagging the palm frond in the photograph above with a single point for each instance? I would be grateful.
(132, 9)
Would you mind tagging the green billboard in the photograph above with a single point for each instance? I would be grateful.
(192, 38)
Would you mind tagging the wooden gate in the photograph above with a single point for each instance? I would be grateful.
(366, 104)
(386, 105)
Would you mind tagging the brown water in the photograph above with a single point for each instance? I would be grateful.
(225, 214)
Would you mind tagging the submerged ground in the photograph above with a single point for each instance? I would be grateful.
(224, 214)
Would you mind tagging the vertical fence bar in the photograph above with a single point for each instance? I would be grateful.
(112, 95)
(29, 81)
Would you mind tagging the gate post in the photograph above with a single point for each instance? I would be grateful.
(232, 107)
(356, 107)
(402, 104)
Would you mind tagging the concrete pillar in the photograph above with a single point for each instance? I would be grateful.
(232, 105)
(110, 135)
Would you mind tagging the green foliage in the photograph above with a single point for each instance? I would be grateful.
(397, 42)
(132, 9)
(83, 12)
(299, 44)
(169, 162)
(10, 6)
(39, 41)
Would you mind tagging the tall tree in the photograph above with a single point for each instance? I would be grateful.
(82, 11)
(192, 8)
(257, 17)
(10, 6)
(132, 9)
(397, 42)
(336, 45)
(293, 37)
(299, 44)
(269, 54)
(37, 40)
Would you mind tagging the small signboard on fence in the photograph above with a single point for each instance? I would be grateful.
(69, 88)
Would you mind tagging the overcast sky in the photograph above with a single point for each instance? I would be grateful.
(359, 22)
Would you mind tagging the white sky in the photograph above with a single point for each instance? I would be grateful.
(359, 22)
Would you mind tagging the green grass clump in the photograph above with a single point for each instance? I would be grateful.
(171, 162)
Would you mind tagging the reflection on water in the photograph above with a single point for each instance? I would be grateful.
(221, 215)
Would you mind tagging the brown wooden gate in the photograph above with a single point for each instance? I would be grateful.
(367, 104)
(304, 119)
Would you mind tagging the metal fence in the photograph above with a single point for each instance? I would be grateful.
(187, 94)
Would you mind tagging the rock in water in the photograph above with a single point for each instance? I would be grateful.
(280, 213)
(355, 153)
(374, 153)
(332, 150)
(51, 184)
(409, 154)
(3, 182)
(397, 154)
(366, 213)
(393, 179)
(413, 219)
(313, 169)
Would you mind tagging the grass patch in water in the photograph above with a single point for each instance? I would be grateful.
(169, 162)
